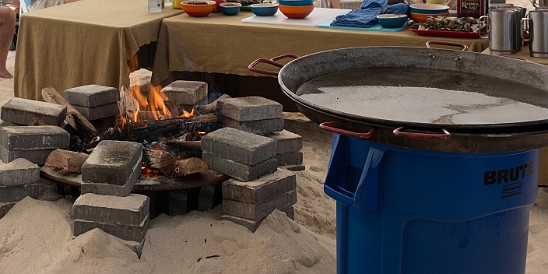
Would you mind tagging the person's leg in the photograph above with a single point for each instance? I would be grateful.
(7, 28)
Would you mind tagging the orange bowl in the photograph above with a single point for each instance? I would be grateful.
(198, 8)
(296, 12)
(419, 17)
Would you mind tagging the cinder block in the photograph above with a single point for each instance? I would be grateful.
(6, 124)
(141, 79)
(292, 158)
(258, 211)
(34, 137)
(286, 141)
(91, 95)
(252, 225)
(257, 126)
(182, 92)
(112, 162)
(99, 112)
(37, 156)
(239, 146)
(130, 210)
(113, 189)
(19, 172)
(5, 208)
(249, 108)
(295, 168)
(124, 232)
(22, 111)
(262, 189)
(238, 170)
(10, 194)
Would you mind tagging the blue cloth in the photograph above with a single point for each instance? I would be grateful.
(366, 15)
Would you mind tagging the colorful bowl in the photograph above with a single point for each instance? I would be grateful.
(422, 8)
(296, 12)
(392, 20)
(296, 2)
(198, 8)
(230, 8)
(418, 17)
(264, 9)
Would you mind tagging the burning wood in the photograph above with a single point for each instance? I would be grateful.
(190, 166)
(66, 161)
(211, 107)
(160, 160)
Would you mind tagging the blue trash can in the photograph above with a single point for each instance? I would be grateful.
(404, 210)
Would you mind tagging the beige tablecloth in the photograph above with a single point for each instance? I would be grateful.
(223, 44)
(85, 42)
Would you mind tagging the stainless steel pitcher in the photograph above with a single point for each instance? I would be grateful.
(539, 3)
(537, 26)
(505, 35)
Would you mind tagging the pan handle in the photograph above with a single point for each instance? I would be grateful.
(331, 126)
(271, 61)
(416, 135)
(463, 46)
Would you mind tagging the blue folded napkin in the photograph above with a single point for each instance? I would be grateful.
(366, 15)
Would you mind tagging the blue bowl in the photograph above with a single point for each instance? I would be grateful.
(230, 8)
(295, 2)
(392, 20)
(264, 9)
(423, 8)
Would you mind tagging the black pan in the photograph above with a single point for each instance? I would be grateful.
(419, 97)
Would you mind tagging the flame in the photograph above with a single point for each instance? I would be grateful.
(149, 172)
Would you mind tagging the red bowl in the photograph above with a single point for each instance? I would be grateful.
(296, 12)
(198, 8)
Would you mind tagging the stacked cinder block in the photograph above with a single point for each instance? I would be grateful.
(239, 154)
(109, 174)
(24, 112)
(140, 79)
(93, 101)
(18, 179)
(33, 143)
(288, 149)
(185, 93)
(247, 203)
(252, 114)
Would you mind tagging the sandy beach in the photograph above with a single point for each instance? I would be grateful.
(36, 235)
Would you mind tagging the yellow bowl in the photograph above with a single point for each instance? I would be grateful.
(198, 8)
(419, 17)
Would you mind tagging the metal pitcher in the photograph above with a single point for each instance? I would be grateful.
(537, 26)
(539, 3)
(504, 28)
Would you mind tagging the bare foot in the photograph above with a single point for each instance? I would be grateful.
(5, 74)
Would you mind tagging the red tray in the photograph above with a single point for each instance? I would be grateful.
(447, 33)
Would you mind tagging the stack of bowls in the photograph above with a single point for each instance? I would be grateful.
(296, 9)
(419, 11)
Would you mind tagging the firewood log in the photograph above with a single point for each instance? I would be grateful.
(211, 107)
(160, 160)
(75, 119)
(190, 166)
(66, 161)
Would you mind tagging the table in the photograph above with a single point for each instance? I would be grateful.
(223, 44)
(85, 42)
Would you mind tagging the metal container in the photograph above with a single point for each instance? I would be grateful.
(504, 32)
(539, 3)
(538, 32)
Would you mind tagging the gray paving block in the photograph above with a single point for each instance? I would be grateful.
(34, 137)
(182, 92)
(91, 95)
(141, 79)
(19, 172)
(130, 210)
(124, 232)
(252, 225)
(113, 189)
(22, 111)
(292, 158)
(112, 162)
(259, 211)
(6, 124)
(239, 146)
(5, 208)
(249, 108)
(238, 170)
(286, 141)
(257, 126)
(98, 112)
(294, 168)
(37, 156)
(262, 189)
(10, 194)
(178, 202)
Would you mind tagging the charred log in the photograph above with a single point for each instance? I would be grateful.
(160, 160)
(190, 166)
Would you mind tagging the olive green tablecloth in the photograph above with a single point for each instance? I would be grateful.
(85, 42)
(223, 44)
